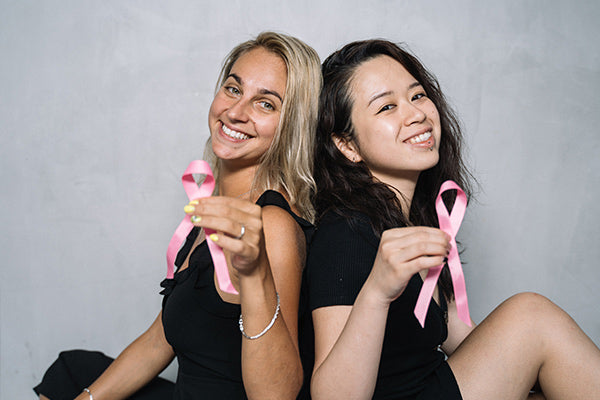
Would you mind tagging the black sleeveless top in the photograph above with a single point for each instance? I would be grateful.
(339, 261)
(202, 328)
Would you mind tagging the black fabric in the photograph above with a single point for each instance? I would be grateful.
(202, 328)
(76, 369)
(340, 258)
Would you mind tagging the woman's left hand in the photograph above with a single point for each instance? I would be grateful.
(238, 225)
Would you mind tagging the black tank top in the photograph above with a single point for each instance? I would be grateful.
(201, 327)
(339, 261)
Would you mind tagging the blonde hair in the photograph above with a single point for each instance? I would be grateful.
(288, 163)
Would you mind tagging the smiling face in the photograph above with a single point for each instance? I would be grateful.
(245, 112)
(397, 127)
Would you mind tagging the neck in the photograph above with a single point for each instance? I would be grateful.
(405, 186)
(235, 182)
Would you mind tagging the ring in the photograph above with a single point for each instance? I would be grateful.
(241, 235)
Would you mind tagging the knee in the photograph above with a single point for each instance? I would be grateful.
(536, 308)
(529, 302)
(532, 300)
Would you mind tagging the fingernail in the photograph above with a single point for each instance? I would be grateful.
(195, 219)
(214, 237)
(194, 202)
(189, 209)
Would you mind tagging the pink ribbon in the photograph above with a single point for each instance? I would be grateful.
(194, 191)
(449, 224)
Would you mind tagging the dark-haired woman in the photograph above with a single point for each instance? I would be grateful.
(386, 142)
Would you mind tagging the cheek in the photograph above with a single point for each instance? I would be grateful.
(217, 107)
(267, 127)
(433, 112)
(434, 116)
(211, 114)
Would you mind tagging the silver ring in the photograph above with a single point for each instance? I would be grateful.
(241, 235)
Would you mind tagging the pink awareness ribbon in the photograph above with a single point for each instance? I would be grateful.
(449, 224)
(194, 191)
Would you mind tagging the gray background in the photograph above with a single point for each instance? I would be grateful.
(104, 103)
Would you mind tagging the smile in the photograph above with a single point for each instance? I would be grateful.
(419, 138)
(234, 134)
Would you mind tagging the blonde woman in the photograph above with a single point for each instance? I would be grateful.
(236, 346)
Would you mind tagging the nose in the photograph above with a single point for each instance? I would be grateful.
(238, 111)
(413, 114)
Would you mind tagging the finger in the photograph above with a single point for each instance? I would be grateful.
(414, 236)
(227, 219)
(224, 210)
(397, 257)
(227, 226)
(230, 202)
(243, 249)
(423, 249)
(420, 231)
(414, 259)
(424, 263)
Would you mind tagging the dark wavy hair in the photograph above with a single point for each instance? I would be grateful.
(346, 187)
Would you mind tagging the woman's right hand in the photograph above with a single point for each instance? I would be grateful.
(229, 217)
(402, 253)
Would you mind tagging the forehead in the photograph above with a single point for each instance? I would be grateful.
(379, 74)
(261, 68)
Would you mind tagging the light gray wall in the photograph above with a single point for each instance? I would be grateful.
(103, 104)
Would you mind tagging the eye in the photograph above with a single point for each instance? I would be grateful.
(418, 96)
(266, 105)
(386, 108)
(232, 89)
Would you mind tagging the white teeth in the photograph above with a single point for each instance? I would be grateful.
(234, 134)
(419, 138)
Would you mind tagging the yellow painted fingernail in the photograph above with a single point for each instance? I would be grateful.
(189, 209)
(214, 237)
(195, 219)
(194, 202)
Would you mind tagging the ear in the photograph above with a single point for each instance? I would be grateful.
(347, 148)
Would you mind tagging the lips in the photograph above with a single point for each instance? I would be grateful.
(234, 134)
(421, 138)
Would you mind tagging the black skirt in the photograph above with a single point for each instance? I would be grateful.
(76, 369)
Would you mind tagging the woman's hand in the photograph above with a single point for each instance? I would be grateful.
(238, 225)
(402, 253)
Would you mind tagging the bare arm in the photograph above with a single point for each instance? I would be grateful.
(271, 365)
(348, 342)
(349, 339)
(457, 330)
(137, 365)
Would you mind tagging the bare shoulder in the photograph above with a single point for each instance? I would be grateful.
(281, 228)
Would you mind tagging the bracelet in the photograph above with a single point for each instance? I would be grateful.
(265, 330)
(88, 392)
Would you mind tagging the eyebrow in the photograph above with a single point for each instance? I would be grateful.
(382, 94)
(261, 91)
(379, 95)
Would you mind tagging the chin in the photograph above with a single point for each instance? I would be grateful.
(223, 153)
(432, 163)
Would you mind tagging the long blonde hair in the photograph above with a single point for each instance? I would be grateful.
(288, 163)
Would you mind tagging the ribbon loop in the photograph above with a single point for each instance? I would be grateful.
(449, 223)
(194, 191)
